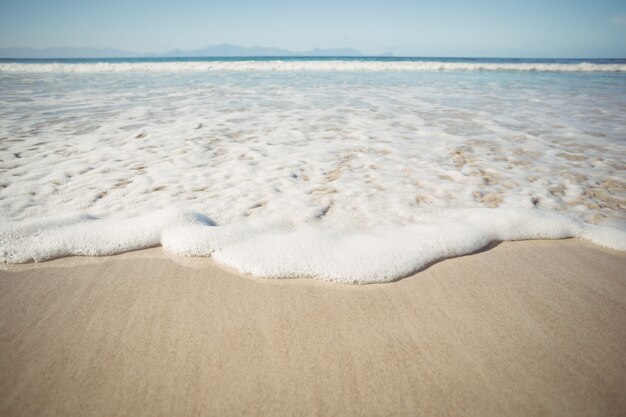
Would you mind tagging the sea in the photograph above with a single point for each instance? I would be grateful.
(352, 170)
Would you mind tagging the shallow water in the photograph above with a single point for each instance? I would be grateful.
(343, 175)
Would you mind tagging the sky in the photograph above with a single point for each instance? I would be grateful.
(481, 28)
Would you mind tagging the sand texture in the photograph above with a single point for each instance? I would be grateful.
(522, 329)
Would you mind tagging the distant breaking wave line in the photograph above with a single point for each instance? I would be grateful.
(322, 66)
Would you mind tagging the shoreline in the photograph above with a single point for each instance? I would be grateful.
(521, 328)
(210, 263)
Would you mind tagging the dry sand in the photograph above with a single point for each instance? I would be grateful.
(522, 329)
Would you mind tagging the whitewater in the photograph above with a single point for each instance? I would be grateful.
(371, 65)
(354, 171)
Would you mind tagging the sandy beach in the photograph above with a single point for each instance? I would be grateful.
(523, 328)
(237, 208)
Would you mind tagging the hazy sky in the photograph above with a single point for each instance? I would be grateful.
(530, 28)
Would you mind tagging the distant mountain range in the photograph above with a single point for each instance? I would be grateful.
(223, 50)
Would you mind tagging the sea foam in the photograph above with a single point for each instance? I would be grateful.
(54, 237)
(381, 254)
(308, 65)
(361, 176)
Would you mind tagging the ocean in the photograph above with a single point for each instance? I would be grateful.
(354, 170)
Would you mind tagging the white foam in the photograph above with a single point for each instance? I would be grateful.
(382, 254)
(608, 236)
(379, 255)
(293, 65)
(55, 237)
(347, 177)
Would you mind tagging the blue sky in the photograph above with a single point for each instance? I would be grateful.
(530, 28)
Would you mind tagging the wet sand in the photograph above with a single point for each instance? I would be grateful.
(524, 328)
